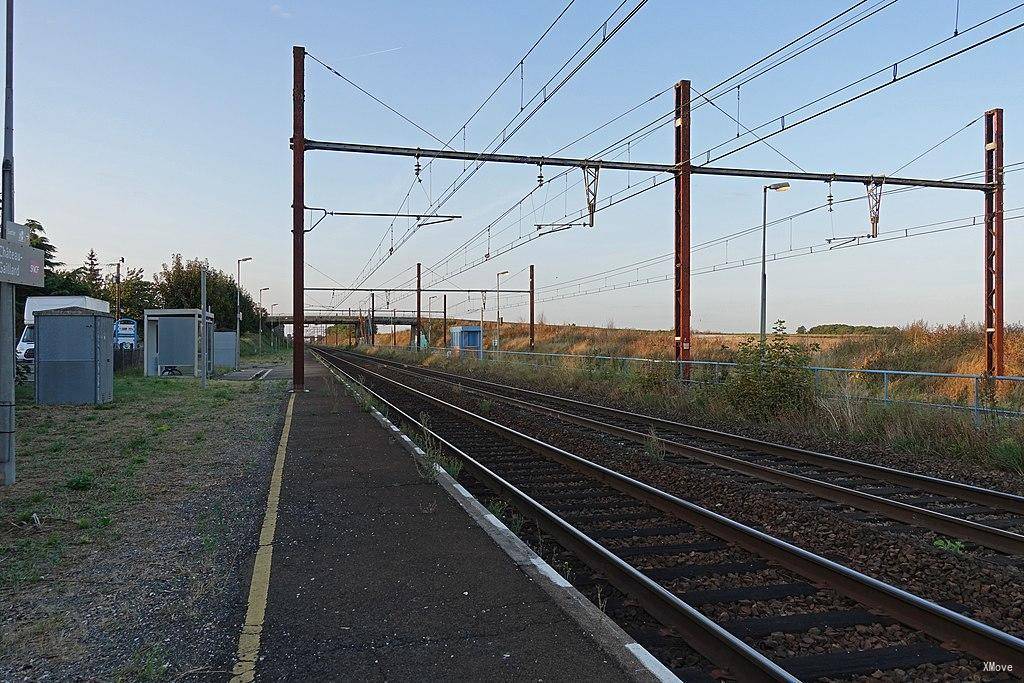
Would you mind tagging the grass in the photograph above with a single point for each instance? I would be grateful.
(653, 447)
(952, 545)
(511, 519)
(148, 664)
(269, 355)
(210, 528)
(102, 493)
(433, 453)
(1008, 454)
(919, 346)
(82, 468)
(497, 507)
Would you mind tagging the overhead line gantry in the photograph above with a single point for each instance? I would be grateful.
(682, 169)
(419, 290)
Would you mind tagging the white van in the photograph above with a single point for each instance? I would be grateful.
(27, 343)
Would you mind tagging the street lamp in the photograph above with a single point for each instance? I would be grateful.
(778, 187)
(430, 324)
(273, 337)
(238, 310)
(260, 328)
(497, 316)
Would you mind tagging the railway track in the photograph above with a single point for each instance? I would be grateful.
(975, 515)
(739, 602)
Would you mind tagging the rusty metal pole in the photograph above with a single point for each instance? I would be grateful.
(682, 226)
(416, 344)
(373, 322)
(298, 203)
(444, 323)
(531, 307)
(994, 353)
(394, 329)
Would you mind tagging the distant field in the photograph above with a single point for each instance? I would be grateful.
(918, 346)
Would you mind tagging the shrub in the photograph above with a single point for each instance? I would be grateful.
(771, 379)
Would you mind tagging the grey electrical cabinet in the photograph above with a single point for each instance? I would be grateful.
(224, 350)
(74, 356)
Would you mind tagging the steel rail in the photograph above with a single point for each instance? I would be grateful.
(704, 635)
(982, 534)
(947, 626)
(996, 499)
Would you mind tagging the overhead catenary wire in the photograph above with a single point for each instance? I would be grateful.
(896, 79)
(376, 99)
(847, 25)
(546, 92)
(892, 66)
(576, 217)
(938, 144)
(819, 248)
(670, 114)
(518, 66)
(722, 239)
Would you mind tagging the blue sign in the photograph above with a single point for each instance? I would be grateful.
(126, 333)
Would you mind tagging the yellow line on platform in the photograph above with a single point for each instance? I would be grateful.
(249, 639)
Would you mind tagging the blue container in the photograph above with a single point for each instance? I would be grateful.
(467, 338)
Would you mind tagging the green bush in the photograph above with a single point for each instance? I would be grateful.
(771, 379)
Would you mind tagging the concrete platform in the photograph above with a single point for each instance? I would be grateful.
(378, 574)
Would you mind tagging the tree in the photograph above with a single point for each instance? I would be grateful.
(801, 330)
(136, 293)
(93, 274)
(178, 286)
(38, 239)
(56, 282)
(65, 282)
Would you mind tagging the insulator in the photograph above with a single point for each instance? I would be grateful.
(540, 175)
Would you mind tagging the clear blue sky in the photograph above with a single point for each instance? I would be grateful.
(147, 128)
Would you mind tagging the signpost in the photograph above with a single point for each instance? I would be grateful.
(21, 264)
(18, 232)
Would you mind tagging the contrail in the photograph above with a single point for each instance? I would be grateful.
(378, 52)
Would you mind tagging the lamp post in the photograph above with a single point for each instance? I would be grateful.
(497, 315)
(778, 187)
(430, 301)
(260, 329)
(238, 309)
(273, 338)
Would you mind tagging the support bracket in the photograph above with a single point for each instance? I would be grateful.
(874, 190)
(590, 176)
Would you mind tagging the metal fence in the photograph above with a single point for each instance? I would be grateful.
(978, 394)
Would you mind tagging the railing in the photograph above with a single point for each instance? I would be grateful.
(978, 394)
